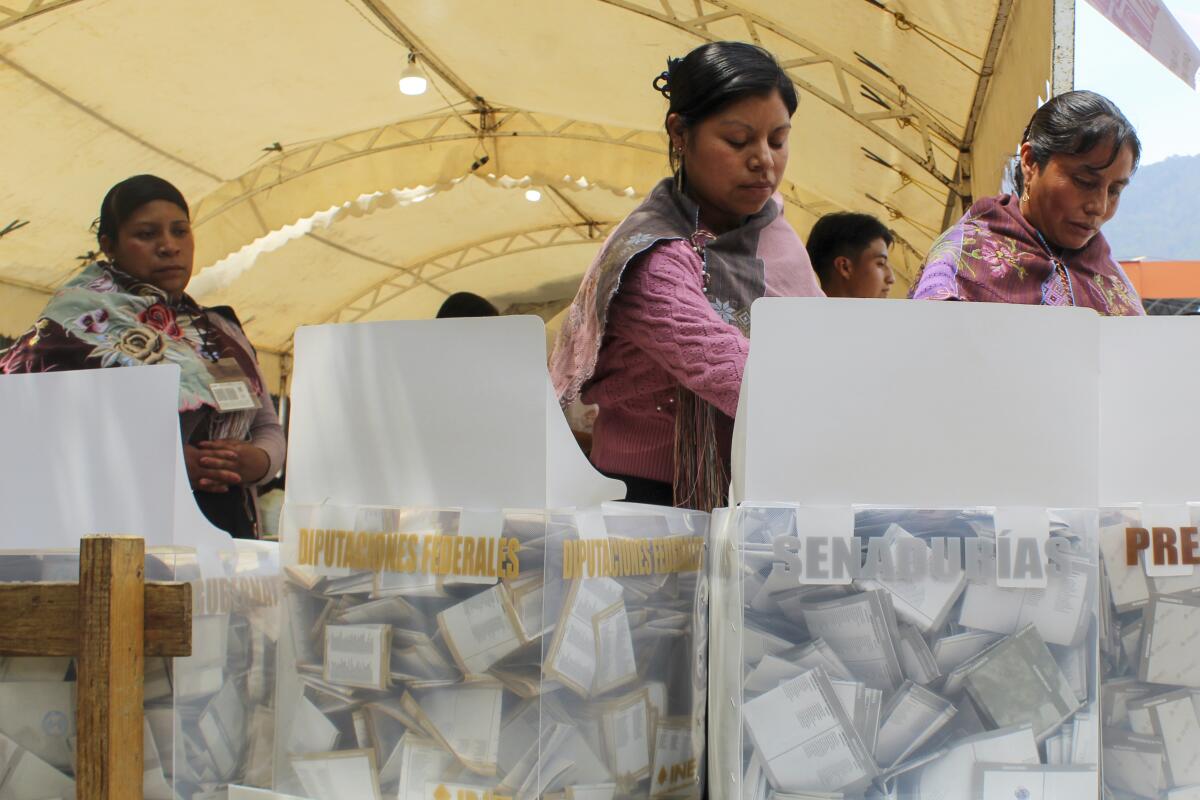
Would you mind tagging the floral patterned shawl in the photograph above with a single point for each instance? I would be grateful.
(104, 318)
(994, 255)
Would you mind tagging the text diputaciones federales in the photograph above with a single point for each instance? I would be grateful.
(421, 553)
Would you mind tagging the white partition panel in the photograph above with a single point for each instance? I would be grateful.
(88, 452)
(432, 413)
(1149, 402)
(919, 404)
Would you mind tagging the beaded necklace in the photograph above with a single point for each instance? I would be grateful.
(699, 241)
(1060, 267)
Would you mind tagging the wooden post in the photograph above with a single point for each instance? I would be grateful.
(110, 621)
(110, 668)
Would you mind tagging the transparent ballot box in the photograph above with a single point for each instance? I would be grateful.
(902, 653)
(1150, 673)
(467, 654)
(208, 718)
(222, 725)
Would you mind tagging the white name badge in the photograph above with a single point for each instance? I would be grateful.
(232, 395)
(230, 388)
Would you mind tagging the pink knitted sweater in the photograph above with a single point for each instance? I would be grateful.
(661, 333)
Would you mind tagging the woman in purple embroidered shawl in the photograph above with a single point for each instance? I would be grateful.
(1043, 246)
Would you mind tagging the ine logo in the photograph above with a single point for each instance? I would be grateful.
(442, 792)
(684, 771)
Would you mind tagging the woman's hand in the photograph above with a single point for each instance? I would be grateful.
(214, 466)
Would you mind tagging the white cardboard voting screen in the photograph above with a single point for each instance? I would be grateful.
(432, 413)
(1149, 390)
(89, 452)
(918, 404)
(571, 478)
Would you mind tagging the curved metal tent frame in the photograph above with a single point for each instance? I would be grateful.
(318, 194)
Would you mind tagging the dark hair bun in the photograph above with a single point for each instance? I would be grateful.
(719, 73)
(662, 81)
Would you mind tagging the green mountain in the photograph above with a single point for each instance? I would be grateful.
(1158, 217)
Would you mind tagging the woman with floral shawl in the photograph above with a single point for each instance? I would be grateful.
(657, 336)
(1043, 246)
(130, 309)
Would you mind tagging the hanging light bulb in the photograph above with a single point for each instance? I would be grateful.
(412, 80)
(533, 195)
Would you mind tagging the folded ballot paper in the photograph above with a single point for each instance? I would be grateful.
(899, 653)
(445, 654)
(209, 718)
(1150, 673)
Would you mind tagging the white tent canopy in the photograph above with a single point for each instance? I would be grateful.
(321, 193)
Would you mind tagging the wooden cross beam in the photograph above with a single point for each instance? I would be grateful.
(109, 621)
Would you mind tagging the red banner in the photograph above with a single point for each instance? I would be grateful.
(1151, 25)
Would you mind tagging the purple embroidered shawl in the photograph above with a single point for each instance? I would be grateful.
(993, 255)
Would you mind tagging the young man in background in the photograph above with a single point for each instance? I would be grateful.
(849, 253)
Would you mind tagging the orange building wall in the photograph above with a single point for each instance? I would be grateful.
(1162, 280)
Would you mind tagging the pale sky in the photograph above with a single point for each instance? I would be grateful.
(1165, 110)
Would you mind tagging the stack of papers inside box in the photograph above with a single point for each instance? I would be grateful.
(934, 683)
(1150, 682)
(518, 654)
(208, 718)
(219, 716)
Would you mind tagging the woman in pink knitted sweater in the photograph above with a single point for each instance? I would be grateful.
(658, 334)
